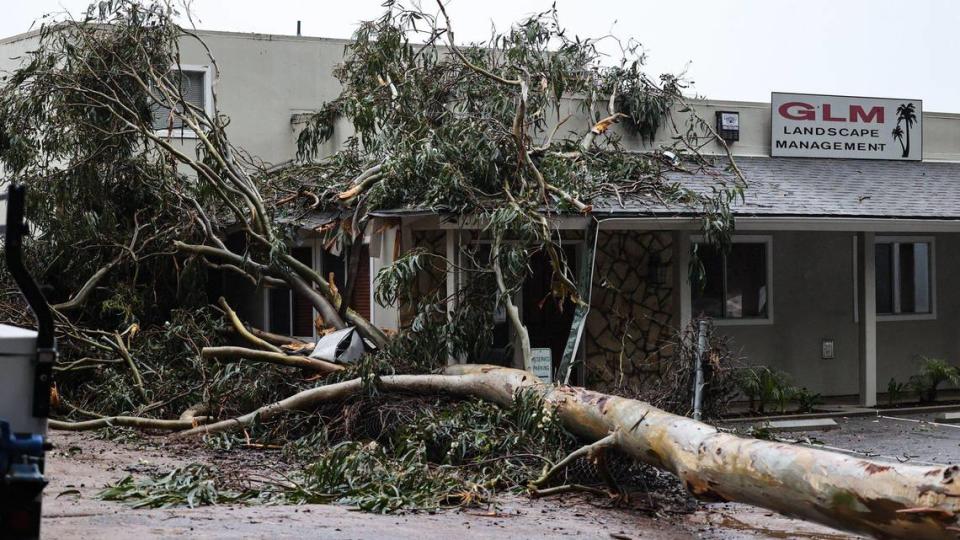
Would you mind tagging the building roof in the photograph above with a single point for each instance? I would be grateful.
(813, 187)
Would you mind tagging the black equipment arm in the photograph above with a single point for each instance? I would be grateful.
(46, 341)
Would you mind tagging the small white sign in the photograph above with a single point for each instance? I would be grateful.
(542, 362)
(729, 120)
(808, 125)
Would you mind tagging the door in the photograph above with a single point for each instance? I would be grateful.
(548, 321)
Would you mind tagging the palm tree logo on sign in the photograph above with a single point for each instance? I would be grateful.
(906, 118)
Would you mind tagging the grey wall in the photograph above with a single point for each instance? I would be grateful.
(901, 344)
(813, 299)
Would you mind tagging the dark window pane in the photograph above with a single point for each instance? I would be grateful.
(923, 275)
(707, 297)
(302, 307)
(279, 311)
(746, 294)
(884, 274)
(333, 264)
(914, 262)
(905, 256)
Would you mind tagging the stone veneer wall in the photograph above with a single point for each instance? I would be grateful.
(629, 325)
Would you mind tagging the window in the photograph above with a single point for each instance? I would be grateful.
(194, 85)
(736, 284)
(904, 274)
(289, 313)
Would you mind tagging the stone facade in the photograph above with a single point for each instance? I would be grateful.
(630, 325)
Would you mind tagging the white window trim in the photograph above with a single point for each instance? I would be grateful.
(765, 239)
(894, 317)
(207, 101)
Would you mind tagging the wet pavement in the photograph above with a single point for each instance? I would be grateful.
(82, 464)
(913, 438)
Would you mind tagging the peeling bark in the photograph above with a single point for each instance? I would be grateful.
(125, 421)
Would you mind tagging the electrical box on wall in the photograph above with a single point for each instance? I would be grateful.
(827, 349)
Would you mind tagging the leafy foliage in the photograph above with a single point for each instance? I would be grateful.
(501, 136)
(494, 127)
(764, 386)
(673, 389)
(896, 391)
(934, 372)
(450, 454)
(191, 485)
(807, 401)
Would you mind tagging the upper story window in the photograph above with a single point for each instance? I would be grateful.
(195, 86)
(736, 285)
(904, 273)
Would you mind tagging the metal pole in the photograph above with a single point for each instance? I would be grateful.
(698, 379)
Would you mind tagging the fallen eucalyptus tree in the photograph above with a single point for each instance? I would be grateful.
(475, 123)
(851, 493)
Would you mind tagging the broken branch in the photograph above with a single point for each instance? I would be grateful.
(242, 329)
(278, 358)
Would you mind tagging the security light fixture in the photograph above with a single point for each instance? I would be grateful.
(728, 125)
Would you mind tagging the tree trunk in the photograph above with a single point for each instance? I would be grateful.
(906, 150)
(861, 495)
(520, 335)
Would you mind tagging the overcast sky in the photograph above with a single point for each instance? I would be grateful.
(731, 49)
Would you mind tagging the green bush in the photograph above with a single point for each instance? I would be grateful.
(806, 400)
(763, 386)
(896, 391)
(933, 373)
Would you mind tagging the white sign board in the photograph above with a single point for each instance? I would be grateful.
(542, 363)
(808, 125)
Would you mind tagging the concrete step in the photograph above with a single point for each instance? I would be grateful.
(947, 417)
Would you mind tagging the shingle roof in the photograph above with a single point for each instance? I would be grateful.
(823, 187)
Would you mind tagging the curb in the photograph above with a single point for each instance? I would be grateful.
(852, 412)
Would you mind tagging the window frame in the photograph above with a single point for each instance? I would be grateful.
(186, 133)
(316, 246)
(893, 317)
(765, 239)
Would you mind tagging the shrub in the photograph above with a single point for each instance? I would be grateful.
(933, 373)
(895, 391)
(763, 386)
(672, 391)
(806, 400)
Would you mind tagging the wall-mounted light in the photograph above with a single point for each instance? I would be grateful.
(728, 125)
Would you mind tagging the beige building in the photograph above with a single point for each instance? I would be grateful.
(844, 272)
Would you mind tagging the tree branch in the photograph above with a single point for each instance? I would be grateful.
(280, 359)
(242, 330)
